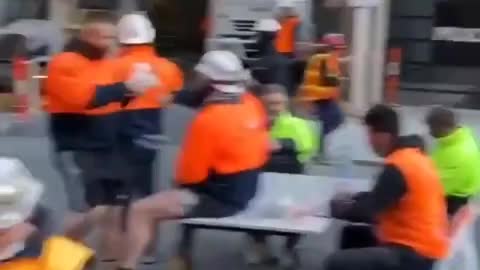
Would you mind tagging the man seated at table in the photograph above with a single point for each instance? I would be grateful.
(293, 143)
(406, 205)
(294, 140)
(456, 156)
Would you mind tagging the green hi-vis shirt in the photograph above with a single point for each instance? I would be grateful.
(301, 131)
(457, 158)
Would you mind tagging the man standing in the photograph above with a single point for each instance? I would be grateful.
(83, 101)
(290, 25)
(271, 67)
(406, 206)
(456, 156)
(141, 128)
(320, 90)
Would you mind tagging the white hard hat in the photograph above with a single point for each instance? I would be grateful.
(135, 29)
(19, 192)
(267, 25)
(225, 69)
(285, 3)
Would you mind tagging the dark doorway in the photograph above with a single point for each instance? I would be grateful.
(179, 25)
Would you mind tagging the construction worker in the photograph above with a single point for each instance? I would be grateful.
(294, 142)
(141, 118)
(406, 207)
(270, 67)
(84, 100)
(290, 26)
(320, 90)
(23, 221)
(456, 156)
(225, 147)
(295, 139)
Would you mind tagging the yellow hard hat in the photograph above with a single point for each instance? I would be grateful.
(60, 253)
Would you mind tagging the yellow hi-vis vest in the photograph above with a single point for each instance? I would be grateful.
(315, 86)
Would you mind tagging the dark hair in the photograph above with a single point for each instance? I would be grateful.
(100, 17)
(273, 89)
(416, 141)
(441, 117)
(382, 118)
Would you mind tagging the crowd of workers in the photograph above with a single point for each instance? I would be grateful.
(105, 123)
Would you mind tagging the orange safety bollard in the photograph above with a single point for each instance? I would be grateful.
(392, 80)
(20, 82)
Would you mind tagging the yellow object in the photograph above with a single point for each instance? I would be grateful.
(60, 253)
(314, 86)
(24, 264)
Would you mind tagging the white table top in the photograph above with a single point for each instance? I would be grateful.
(305, 225)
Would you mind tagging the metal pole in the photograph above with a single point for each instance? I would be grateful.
(382, 13)
(359, 59)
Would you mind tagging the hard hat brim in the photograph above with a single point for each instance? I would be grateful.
(231, 89)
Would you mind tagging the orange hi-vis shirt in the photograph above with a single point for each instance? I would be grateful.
(73, 90)
(314, 86)
(419, 220)
(72, 81)
(223, 139)
(168, 73)
(141, 114)
(286, 37)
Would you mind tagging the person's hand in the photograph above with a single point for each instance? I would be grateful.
(340, 203)
(142, 78)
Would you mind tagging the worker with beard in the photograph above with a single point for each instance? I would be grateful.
(84, 101)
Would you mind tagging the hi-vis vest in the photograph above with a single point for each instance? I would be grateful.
(315, 86)
(419, 220)
(285, 41)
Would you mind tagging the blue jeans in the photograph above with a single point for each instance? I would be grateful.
(330, 114)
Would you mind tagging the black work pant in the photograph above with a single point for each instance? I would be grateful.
(360, 250)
